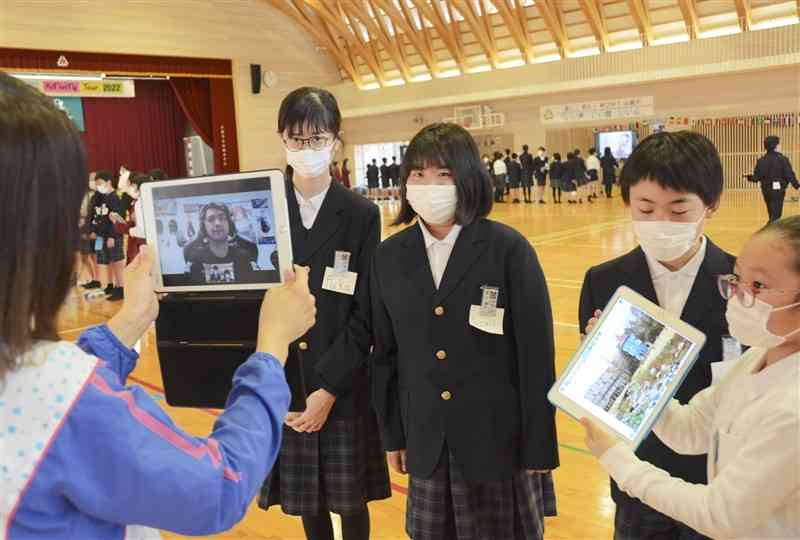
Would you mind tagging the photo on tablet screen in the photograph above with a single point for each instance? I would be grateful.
(625, 370)
(217, 233)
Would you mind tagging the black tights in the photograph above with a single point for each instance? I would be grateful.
(608, 190)
(355, 527)
(556, 191)
(527, 191)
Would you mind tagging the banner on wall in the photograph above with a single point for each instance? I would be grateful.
(82, 89)
(592, 111)
(73, 107)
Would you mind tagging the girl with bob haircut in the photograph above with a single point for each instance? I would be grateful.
(83, 455)
(463, 353)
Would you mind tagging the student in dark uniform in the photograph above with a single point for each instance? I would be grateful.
(540, 172)
(672, 184)
(609, 166)
(774, 173)
(463, 353)
(556, 177)
(332, 459)
(373, 184)
(394, 177)
(514, 177)
(581, 175)
(569, 182)
(386, 183)
(526, 161)
(507, 160)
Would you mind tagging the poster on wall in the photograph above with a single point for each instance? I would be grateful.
(592, 111)
(73, 107)
(68, 88)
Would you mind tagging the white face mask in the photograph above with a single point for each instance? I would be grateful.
(749, 325)
(105, 190)
(434, 204)
(665, 240)
(310, 163)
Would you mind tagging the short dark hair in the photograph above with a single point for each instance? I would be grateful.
(449, 146)
(542, 148)
(137, 179)
(557, 156)
(202, 233)
(771, 143)
(314, 108)
(107, 176)
(42, 158)
(787, 228)
(577, 152)
(157, 175)
(384, 160)
(592, 151)
(525, 148)
(514, 155)
(570, 155)
(683, 161)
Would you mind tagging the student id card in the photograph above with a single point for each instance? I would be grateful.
(339, 279)
(488, 317)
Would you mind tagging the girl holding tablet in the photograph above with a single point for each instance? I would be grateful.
(749, 424)
(332, 459)
(464, 353)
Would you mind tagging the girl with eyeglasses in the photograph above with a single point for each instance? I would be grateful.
(748, 424)
(332, 459)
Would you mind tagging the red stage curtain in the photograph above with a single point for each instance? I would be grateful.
(223, 118)
(194, 96)
(143, 133)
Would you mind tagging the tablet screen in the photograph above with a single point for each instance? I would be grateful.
(627, 368)
(216, 233)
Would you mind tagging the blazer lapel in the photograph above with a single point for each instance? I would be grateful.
(470, 245)
(701, 299)
(415, 264)
(638, 275)
(306, 243)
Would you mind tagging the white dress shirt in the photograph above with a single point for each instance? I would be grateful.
(500, 167)
(673, 288)
(310, 208)
(592, 163)
(749, 425)
(439, 251)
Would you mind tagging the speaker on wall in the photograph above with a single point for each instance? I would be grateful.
(255, 78)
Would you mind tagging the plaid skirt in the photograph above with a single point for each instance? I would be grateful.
(447, 507)
(338, 469)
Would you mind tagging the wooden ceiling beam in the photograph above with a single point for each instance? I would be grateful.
(743, 11)
(465, 9)
(486, 17)
(642, 20)
(690, 19)
(400, 22)
(518, 32)
(325, 41)
(378, 31)
(591, 11)
(351, 36)
(548, 9)
(435, 17)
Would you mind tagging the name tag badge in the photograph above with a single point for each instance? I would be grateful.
(341, 261)
(339, 282)
(731, 356)
(731, 348)
(488, 317)
(776, 186)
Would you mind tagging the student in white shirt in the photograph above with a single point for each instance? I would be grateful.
(593, 170)
(500, 171)
(749, 424)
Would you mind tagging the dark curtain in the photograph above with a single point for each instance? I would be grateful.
(142, 133)
(194, 96)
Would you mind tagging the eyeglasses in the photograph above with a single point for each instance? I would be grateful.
(315, 142)
(729, 285)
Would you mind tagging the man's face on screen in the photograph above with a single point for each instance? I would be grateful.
(217, 225)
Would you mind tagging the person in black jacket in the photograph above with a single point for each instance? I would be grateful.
(386, 183)
(373, 184)
(514, 177)
(526, 161)
(672, 184)
(609, 166)
(332, 459)
(569, 181)
(556, 177)
(107, 241)
(464, 353)
(774, 172)
(540, 172)
(581, 175)
(394, 177)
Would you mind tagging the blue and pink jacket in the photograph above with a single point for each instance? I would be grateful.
(84, 457)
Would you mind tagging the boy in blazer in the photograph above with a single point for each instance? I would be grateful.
(672, 183)
(464, 353)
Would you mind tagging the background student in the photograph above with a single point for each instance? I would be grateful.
(609, 166)
(526, 162)
(774, 172)
(464, 353)
(672, 184)
(748, 424)
(556, 177)
(500, 170)
(331, 459)
(108, 242)
(540, 172)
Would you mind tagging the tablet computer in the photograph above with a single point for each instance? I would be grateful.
(218, 233)
(629, 367)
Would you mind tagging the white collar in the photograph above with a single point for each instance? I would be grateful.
(430, 240)
(315, 201)
(761, 380)
(690, 269)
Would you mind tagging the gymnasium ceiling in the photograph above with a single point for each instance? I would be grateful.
(378, 43)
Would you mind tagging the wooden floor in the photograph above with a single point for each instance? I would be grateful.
(568, 239)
